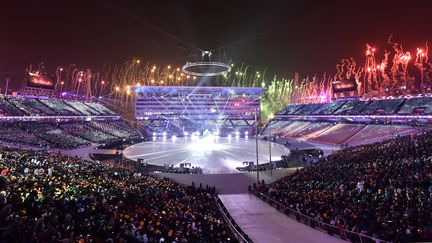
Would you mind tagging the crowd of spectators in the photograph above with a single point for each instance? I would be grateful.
(384, 107)
(410, 106)
(56, 137)
(382, 190)
(404, 106)
(20, 106)
(15, 135)
(46, 197)
(82, 130)
(65, 135)
(119, 128)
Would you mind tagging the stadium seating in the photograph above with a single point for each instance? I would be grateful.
(352, 107)
(290, 109)
(119, 128)
(7, 109)
(312, 129)
(380, 190)
(292, 128)
(275, 125)
(338, 134)
(329, 108)
(60, 108)
(14, 134)
(102, 110)
(82, 108)
(377, 132)
(86, 132)
(384, 107)
(31, 107)
(421, 105)
(46, 197)
(54, 135)
(308, 109)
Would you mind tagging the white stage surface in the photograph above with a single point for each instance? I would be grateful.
(215, 155)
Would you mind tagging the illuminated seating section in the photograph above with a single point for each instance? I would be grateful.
(60, 108)
(66, 135)
(292, 128)
(298, 129)
(314, 122)
(82, 108)
(102, 110)
(18, 106)
(387, 106)
(119, 128)
(289, 110)
(311, 130)
(63, 133)
(7, 109)
(352, 107)
(400, 106)
(308, 109)
(31, 107)
(376, 132)
(54, 135)
(331, 133)
(84, 131)
(338, 133)
(329, 108)
(423, 103)
(11, 133)
(275, 126)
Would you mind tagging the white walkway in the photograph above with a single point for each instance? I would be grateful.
(233, 183)
(263, 223)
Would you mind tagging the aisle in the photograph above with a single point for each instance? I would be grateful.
(264, 223)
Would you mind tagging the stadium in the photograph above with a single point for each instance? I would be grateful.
(207, 149)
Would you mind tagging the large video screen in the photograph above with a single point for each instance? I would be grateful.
(40, 81)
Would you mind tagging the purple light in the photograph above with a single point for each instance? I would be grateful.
(63, 94)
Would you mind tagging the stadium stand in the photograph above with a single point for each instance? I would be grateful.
(308, 109)
(291, 109)
(82, 108)
(373, 133)
(386, 106)
(421, 105)
(380, 190)
(46, 197)
(329, 108)
(14, 134)
(352, 107)
(55, 136)
(7, 109)
(82, 130)
(312, 129)
(31, 107)
(119, 128)
(338, 134)
(60, 108)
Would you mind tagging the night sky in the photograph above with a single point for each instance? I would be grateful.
(296, 36)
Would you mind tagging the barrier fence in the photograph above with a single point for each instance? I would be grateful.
(235, 229)
(330, 229)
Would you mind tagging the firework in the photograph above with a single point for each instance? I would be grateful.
(376, 77)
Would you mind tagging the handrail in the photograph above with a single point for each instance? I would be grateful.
(330, 229)
(235, 229)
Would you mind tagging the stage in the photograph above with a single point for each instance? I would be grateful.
(215, 155)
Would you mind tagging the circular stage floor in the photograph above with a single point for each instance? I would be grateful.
(215, 155)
